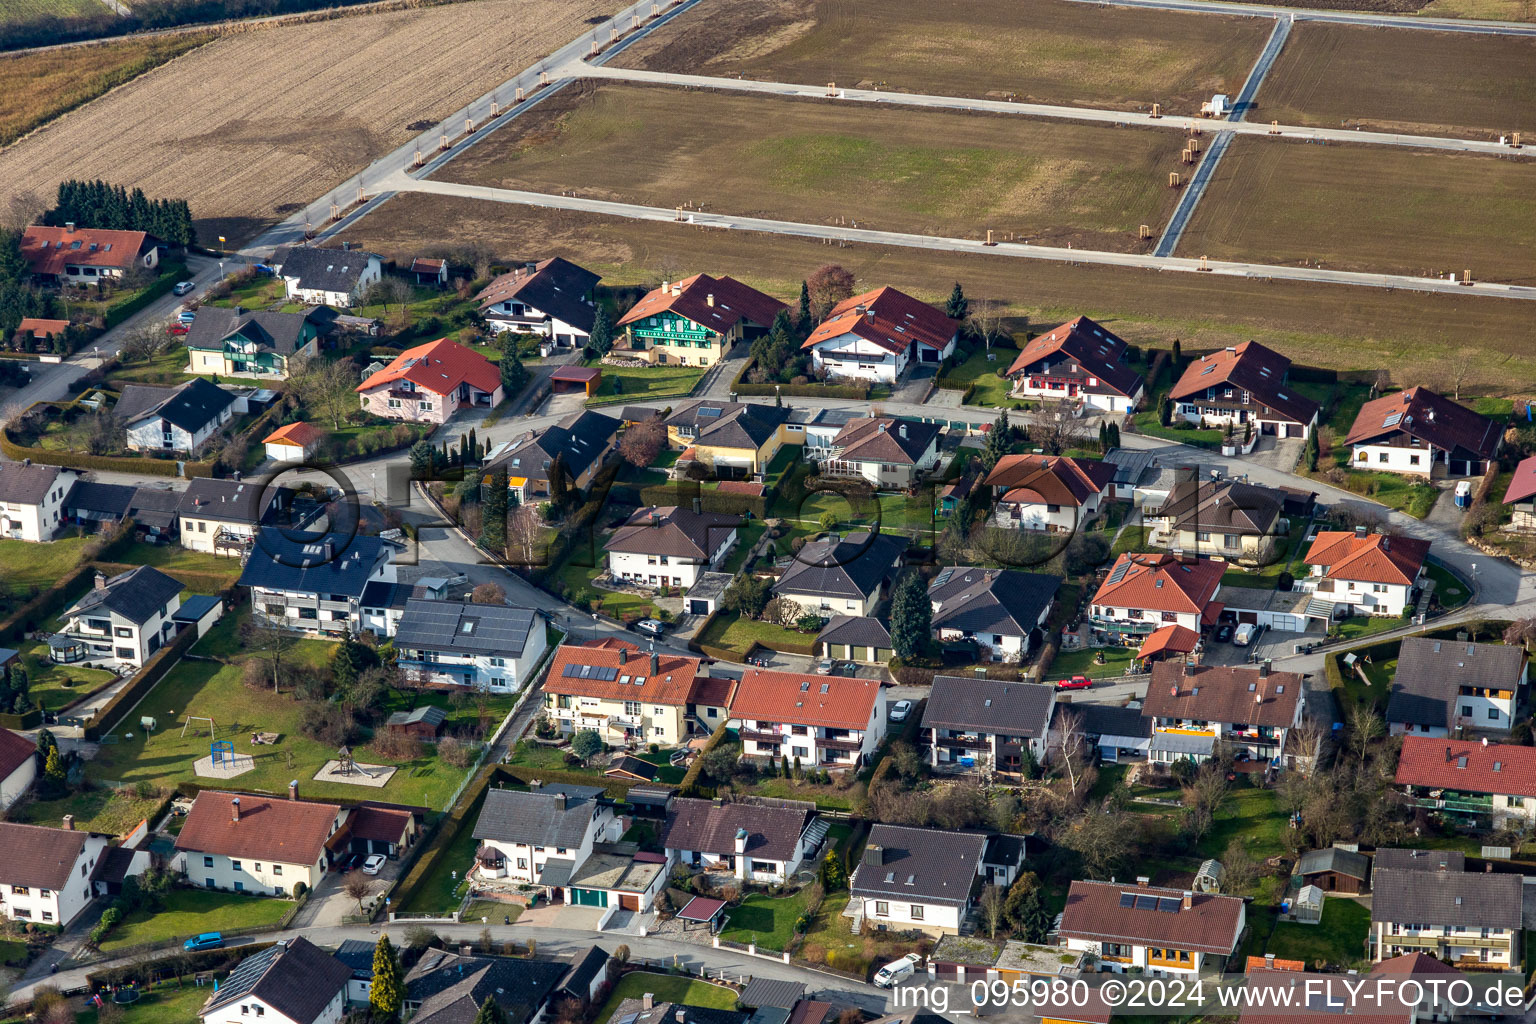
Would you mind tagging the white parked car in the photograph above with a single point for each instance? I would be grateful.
(374, 864)
(900, 710)
(1244, 635)
(825, 667)
(897, 970)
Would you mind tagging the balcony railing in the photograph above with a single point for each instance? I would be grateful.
(970, 742)
(762, 737)
(1463, 805)
(849, 745)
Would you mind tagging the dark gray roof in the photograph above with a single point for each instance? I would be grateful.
(1002, 601)
(556, 287)
(630, 1011)
(311, 563)
(296, 978)
(379, 594)
(1419, 860)
(773, 827)
(271, 331)
(431, 714)
(112, 500)
(921, 864)
(464, 628)
(853, 567)
(358, 955)
(1430, 674)
(991, 705)
(26, 485)
(1106, 719)
(152, 506)
(859, 630)
(231, 501)
(537, 816)
(578, 439)
(136, 595)
(332, 270)
(1004, 849)
(673, 531)
(451, 988)
(1476, 900)
(195, 607)
(136, 399)
(1343, 862)
(190, 406)
(771, 992)
(578, 980)
(729, 424)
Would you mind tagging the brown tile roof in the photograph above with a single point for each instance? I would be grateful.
(269, 828)
(746, 487)
(670, 683)
(712, 691)
(888, 318)
(773, 827)
(1466, 766)
(40, 328)
(1235, 694)
(1049, 479)
(673, 531)
(1522, 483)
(1224, 506)
(733, 302)
(838, 702)
(15, 750)
(1252, 368)
(382, 824)
(1373, 558)
(1414, 963)
(1209, 925)
(1171, 639)
(1259, 963)
(49, 250)
(1433, 419)
(885, 439)
(1090, 346)
(1160, 582)
(37, 856)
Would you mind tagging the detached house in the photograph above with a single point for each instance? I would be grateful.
(492, 647)
(1482, 784)
(1465, 919)
(816, 721)
(756, 839)
(1242, 386)
(291, 982)
(877, 335)
(327, 277)
(32, 499)
(624, 694)
(18, 766)
(891, 454)
(120, 621)
(450, 988)
(45, 876)
(1049, 492)
(173, 419)
(733, 439)
(431, 382)
(1079, 362)
(1422, 433)
(1144, 592)
(1003, 610)
(257, 844)
(1366, 573)
(1250, 710)
(1168, 933)
(670, 546)
(57, 255)
(1237, 521)
(552, 298)
(927, 879)
(847, 576)
(987, 722)
(249, 343)
(1443, 686)
(581, 440)
(694, 322)
(221, 517)
(313, 582)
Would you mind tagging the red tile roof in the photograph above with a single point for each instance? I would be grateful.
(733, 302)
(40, 328)
(1209, 925)
(1097, 350)
(887, 318)
(746, 487)
(15, 750)
(1252, 368)
(712, 691)
(1414, 963)
(269, 828)
(1170, 639)
(1259, 963)
(1160, 582)
(439, 366)
(795, 699)
(1232, 694)
(50, 250)
(670, 684)
(1433, 419)
(300, 434)
(1373, 558)
(1467, 766)
(1522, 484)
(1050, 479)
(423, 265)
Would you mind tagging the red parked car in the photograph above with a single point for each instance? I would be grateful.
(178, 328)
(1075, 683)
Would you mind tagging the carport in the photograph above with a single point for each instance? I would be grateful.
(570, 379)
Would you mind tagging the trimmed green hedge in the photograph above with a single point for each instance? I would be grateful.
(114, 463)
(690, 784)
(170, 274)
(30, 720)
(859, 392)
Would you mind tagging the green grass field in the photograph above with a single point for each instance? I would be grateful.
(47, 680)
(734, 633)
(766, 920)
(192, 911)
(162, 1004)
(25, 10)
(1339, 941)
(645, 382)
(990, 390)
(1359, 627)
(666, 988)
(1081, 663)
(1450, 591)
(109, 811)
(37, 567)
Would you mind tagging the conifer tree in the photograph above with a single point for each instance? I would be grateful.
(386, 992)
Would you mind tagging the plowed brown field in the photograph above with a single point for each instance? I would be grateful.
(250, 127)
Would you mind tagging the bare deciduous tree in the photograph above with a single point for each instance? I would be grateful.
(642, 442)
(986, 319)
(991, 905)
(525, 531)
(1203, 797)
(357, 886)
(1365, 728)
(327, 388)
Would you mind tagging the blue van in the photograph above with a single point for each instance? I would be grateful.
(207, 940)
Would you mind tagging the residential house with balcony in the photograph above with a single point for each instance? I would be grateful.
(1420, 433)
(327, 277)
(830, 722)
(754, 839)
(445, 987)
(45, 875)
(842, 575)
(489, 647)
(625, 695)
(987, 723)
(877, 335)
(733, 439)
(1228, 519)
(314, 582)
(1147, 591)
(56, 255)
(670, 546)
(579, 443)
(1442, 687)
(221, 517)
(927, 879)
(1482, 784)
(1250, 710)
(553, 298)
(292, 981)
(256, 844)
(1052, 493)
(120, 622)
(240, 342)
(1247, 387)
(889, 453)
(1166, 933)
(33, 500)
(1363, 573)
(432, 382)
(1121, 735)
(1465, 919)
(1003, 610)
(694, 322)
(1081, 363)
(180, 419)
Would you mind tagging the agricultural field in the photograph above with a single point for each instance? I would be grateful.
(1315, 325)
(1441, 213)
(1040, 51)
(251, 127)
(1419, 83)
(891, 169)
(26, 10)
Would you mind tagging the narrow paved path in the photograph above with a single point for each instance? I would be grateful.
(1193, 192)
(1408, 21)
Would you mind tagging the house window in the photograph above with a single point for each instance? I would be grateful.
(47, 915)
(123, 631)
(277, 869)
(207, 862)
(239, 887)
(522, 863)
(1493, 714)
(21, 890)
(882, 909)
(234, 865)
(917, 911)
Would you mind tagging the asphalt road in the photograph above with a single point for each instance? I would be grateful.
(1497, 28)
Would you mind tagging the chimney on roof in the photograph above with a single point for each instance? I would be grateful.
(648, 1001)
(560, 801)
(698, 505)
(1142, 881)
(1360, 530)
(1485, 742)
(709, 300)
(874, 855)
(293, 789)
(677, 288)
(1487, 867)
(1386, 542)
(860, 309)
(1189, 670)
(26, 462)
(237, 476)
(623, 655)
(69, 823)
(101, 580)
(902, 430)
(330, 549)
(655, 518)
(1448, 755)
(1264, 669)
(1269, 960)
(666, 287)
(531, 267)
(1189, 899)
(741, 840)
(69, 227)
(655, 664)
(234, 810)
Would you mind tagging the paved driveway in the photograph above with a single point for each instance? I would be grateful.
(329, 906)
(562, 915)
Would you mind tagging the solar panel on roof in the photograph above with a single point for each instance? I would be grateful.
(1127, 900)
(1168, 905)
(1146, 902)
(1119, 572)
(1392, 418)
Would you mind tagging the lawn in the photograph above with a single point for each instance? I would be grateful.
(32, 568)
(1380, 673)
(1252, 814)
(12, 952)
(729, 630)
(54, 686)
(828, 798)
(494, 911)
(174, 559)
(666, 988)
(1449, 591)
(1339, 941)
(1148, 422)
(578, 578)
(191, 911)
(625, 383)
(112, 812)
(1081, 663)
(441, 891)
(988, 389)
(162, 1004)
(1358, 627)
(766, 920)
(747, 536)
(890, 513)
(1391, 489)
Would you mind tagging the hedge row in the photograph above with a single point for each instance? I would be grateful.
(433, 844)
(690, 784)
(44, 606)
(113, 463)
(30, 720)
(153, 671)
(683, 492)
(859, 392)
(169, 275)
